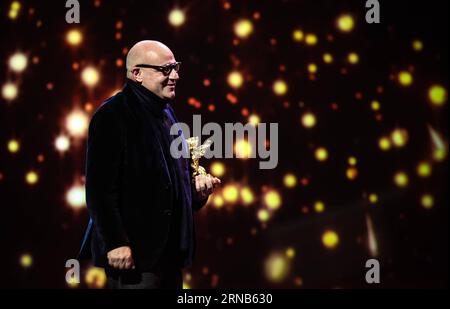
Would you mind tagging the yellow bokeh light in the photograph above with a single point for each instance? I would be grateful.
(10, 91)
(176, 17)
(26, 260)
(13, 146)
(375, 105)
(308, 120)
(217, 169)
(321, 154)
(280, 87)
(95, 277)
(243, 149)
(384, 143)
(330, 239)
(405, 78)
(75, 197)
(14, 10)
(327, 58)
(352, 173)
(31, 178)
(74, 37)
(311, 39)
(401, 179)
(247, 196)
(230, 193)
(424, 169)
(254, 119)
(18, 62)
(272, 199)
(243, 28)
(417, 45)
(319, 206)
(437, 95)
(427, 201)
(312, 68)
(399, 137)
(290, 253)
(235, 79)
(90, 76)
(352, 161)
(290, 180)
(263, 215)
(373, 198)
(62, 143)
(77, 123)
(439, 154)
(297, 35)
(218, 201)
(276, 267)
(186, 286)
(345, 23)
(353, 58)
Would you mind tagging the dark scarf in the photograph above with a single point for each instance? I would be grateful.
(177, 168)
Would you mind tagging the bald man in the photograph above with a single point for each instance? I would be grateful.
(141, 199)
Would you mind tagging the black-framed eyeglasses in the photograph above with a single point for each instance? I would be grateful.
(165, 69)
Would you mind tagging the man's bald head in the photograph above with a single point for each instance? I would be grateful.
(148, 52)
(152, 53)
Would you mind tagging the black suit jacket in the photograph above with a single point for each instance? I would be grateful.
(128, 189)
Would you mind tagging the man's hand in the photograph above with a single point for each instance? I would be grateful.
(121, 258)
(205, 185)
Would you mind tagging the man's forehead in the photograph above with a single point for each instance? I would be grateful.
(159, 57)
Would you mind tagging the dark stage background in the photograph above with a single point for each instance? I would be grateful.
(363, 131)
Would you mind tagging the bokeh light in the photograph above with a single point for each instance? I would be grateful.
(437, 95)
(74, 37)
(75, 197)
(176, 17)
(243, 28)
(308, 120)
(217, 169)
(427, 201)
(26, 260)
(272, 199)
(18, 62)
(62, 143)
(277, 267)
(401, 179)
(95, 277)
(31, 177)
(77, 123)
(345, 23)
(13, 146)
(405, 78)
(321, 154)
(280, 87)
(90, 76)
(290, 180)
(330, 239)
(10, 91)
(235, 79)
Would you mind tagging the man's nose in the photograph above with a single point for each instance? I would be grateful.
(174, 75)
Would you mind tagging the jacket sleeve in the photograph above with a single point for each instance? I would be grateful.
(103, 165)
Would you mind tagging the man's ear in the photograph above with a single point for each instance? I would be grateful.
(137, 74)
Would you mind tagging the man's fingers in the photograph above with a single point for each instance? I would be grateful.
(208, 183)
